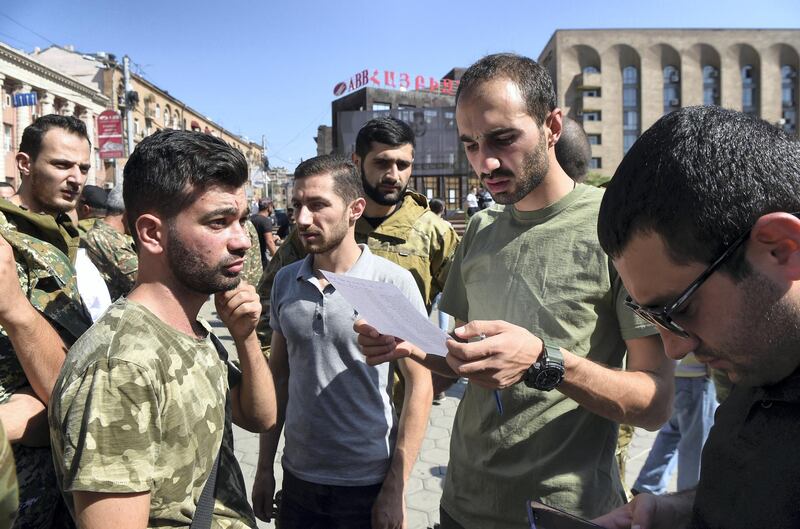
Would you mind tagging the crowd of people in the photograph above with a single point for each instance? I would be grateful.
(571, 306)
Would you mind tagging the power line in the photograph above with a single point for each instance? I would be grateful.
(23, 26)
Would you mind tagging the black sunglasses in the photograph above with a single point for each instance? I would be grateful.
(662, 316)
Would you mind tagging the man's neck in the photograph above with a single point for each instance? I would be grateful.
(24, 198)
(555, 186)
(115, 221)
(340, 259)
(171, 303)
(376, 211)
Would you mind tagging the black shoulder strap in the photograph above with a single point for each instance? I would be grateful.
(205, 505)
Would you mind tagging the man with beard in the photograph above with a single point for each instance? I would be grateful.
(535, 267)
(141, 413)
(41, 311)
(397, 223)
(347, 458)
(701, 219)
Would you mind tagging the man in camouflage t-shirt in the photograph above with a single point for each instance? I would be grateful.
(141, 409)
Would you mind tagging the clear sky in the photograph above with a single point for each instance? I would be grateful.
(269, 67)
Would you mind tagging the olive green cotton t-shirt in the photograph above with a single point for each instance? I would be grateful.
(545, 271)
(140, 406)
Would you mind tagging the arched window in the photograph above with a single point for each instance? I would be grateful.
(672, 89)
(710, 85)
(789, 98)
(749, 87)
(630, 107)
(167, 116)
(158, 111)
(176, 122)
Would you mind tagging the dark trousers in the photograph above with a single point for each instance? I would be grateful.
(445, 522)
(306, 505)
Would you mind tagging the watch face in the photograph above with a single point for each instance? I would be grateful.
(549, 378)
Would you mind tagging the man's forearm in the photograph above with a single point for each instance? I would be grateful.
(411, 431)
(24, 418)
(270, 243)
(637, 398)
(257, 390)
(38, 347)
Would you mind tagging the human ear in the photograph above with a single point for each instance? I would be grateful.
(553, 123)
(24, 163)
(775, 244)
(150, 231)
(357, 208)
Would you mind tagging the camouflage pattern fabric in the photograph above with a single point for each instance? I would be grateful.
(252, 261)
(114, 256)
(9, 495)
(48, 280)
(58, 231)
(85, 226)
(140, 407)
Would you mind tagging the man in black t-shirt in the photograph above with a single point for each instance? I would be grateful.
(263, 223)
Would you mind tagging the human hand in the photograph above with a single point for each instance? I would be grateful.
(497, 361)
(11, 295)
(239, 309)
(389, 509)
(263, 493)
(379, 348)
(640, 513)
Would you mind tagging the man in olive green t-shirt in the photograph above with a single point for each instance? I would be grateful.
(535, 267)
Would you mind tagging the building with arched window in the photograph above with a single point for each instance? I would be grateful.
(618, 82)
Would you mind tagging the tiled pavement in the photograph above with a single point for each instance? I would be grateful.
(425, 486)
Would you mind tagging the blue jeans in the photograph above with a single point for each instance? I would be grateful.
(680, 441)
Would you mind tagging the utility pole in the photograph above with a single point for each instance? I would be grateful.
(126, 73)
(267, 178)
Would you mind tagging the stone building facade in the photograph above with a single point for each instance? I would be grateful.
(153, 108)
(618, 82)
(54, 92)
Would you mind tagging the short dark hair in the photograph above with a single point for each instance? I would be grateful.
(699, 178)
(437, 205)
(31, 143)
(387, 130)
(346, 178)
(170, 169)
(573, 151)
(531, 78)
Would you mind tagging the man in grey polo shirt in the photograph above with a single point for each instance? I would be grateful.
(347, 458)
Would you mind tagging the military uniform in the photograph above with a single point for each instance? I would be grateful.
(85, 225)
(9, 495)
(48, 280)
(252, 261)
(140, 406)
(413, 237)
(113, 254)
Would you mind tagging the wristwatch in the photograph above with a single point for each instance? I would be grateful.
(548, 371)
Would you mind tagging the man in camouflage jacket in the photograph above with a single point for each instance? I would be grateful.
(41, 311)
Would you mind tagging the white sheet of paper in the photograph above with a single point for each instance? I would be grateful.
(387, 309)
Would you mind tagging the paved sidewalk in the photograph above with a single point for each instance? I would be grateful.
(425, 485)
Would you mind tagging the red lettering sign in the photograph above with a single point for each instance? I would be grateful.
(109, 135)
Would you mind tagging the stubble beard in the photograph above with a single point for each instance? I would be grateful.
(534, 168)
(384, 199)
(193, 273)
(331, 241)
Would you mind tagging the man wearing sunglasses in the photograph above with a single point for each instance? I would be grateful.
(701, 221)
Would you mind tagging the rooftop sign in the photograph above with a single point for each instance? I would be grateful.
(397, 81)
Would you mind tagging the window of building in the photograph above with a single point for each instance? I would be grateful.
(710, 85)
(594, 92)
(377, 106)
(158, 111)
(594, 139)
(630, 106)
(167, 116)
(596, 163)
(789, 99)
(8, 140)
(749, 90)
(136, 128)
(591, 116)
(401, 107)
(672, 89)
(591, 69)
